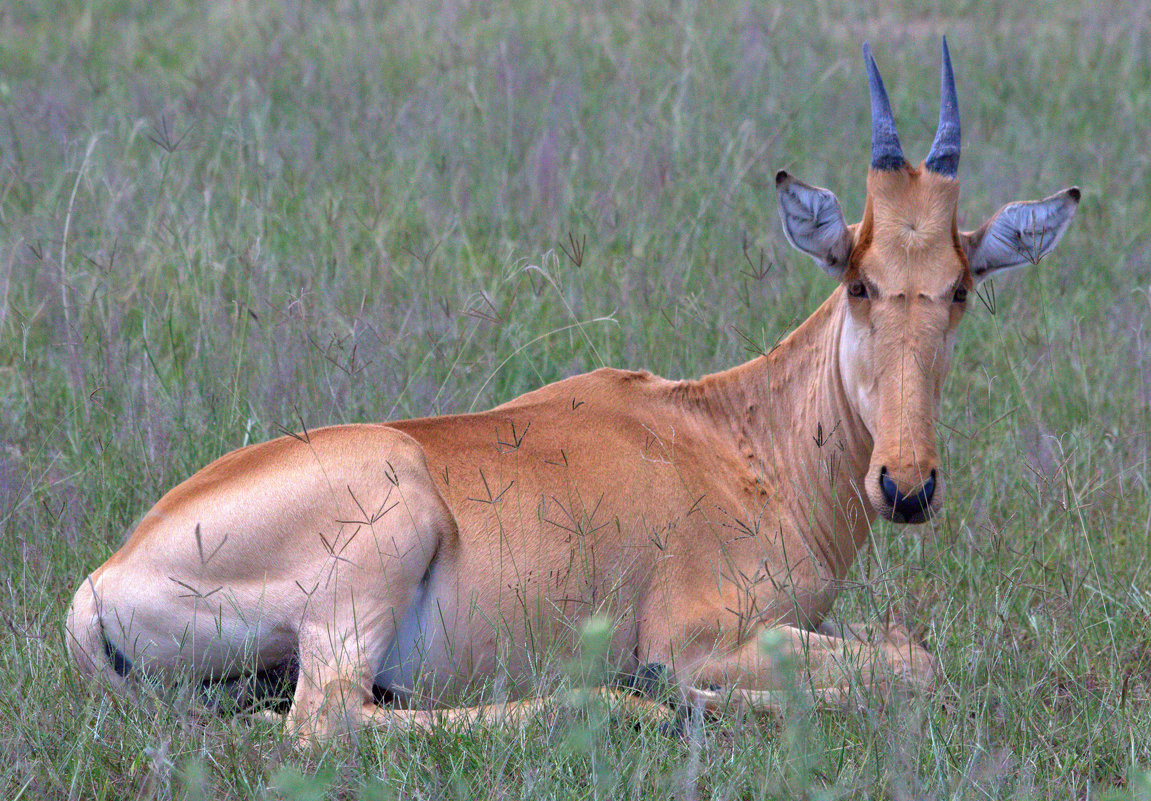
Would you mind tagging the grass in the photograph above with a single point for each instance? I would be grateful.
(221, 221)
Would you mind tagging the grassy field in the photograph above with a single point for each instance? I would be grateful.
(222, 220)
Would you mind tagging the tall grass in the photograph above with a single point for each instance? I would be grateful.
(221, 221)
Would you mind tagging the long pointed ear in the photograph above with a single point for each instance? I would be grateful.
(1019, 233)
(813, 223)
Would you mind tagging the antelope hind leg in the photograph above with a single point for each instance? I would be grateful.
(332, 702)
(521, 713)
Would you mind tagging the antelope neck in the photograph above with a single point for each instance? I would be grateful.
(791, 415)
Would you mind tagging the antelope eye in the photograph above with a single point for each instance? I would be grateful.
(857, 289)
(960, 294)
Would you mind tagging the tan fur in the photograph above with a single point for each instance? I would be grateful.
(915, 261)
(694, 513)
(441, 556)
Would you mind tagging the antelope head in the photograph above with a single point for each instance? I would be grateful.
(906, 274)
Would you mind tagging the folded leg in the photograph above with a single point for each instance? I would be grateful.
(832, 664)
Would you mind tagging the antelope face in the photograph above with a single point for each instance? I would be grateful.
(906, 288)
(906, 273)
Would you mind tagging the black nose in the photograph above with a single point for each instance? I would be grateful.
(913, 508)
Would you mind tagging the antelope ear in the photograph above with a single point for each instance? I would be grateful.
(813, 223)
(1019, 233)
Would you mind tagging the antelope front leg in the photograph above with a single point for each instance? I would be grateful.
(784, 659)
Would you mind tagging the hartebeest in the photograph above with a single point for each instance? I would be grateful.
(402, 566)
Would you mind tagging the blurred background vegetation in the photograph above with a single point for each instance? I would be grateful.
(220, 221)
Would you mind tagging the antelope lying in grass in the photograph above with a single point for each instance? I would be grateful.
(401, 567)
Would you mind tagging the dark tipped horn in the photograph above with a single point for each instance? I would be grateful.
(886, 154)
(944, 156)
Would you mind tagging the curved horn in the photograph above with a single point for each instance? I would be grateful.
(886, 154)
(944, 156)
